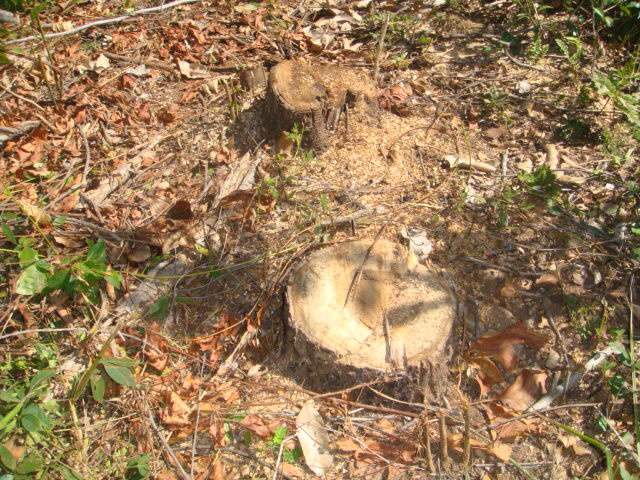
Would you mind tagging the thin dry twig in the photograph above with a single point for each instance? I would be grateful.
(383, 33)
(632, 356)
(42, 330)
(444, 448)
(87, 155)
(276, 469)
(427, 441)
(35, 104)
(102, 22)
(167, 448)
(201, 395)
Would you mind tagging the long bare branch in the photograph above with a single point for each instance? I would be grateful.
(102, 22)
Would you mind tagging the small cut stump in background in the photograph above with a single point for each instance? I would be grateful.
(312, 96)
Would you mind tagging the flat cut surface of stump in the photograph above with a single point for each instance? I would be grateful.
(418, 306)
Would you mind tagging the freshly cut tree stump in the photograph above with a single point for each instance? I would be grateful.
(313, 97)
(359, 311)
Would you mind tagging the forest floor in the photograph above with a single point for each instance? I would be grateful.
(141, 321)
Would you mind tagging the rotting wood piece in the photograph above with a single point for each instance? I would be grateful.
(312, 97)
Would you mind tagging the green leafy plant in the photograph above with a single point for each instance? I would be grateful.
(537, 50)
(541, 181)
(620, 18)
(83, 275)
(495, 103)
(289, 455)
(120, 370)
(296, 135)
(138, 468)
(25, 410)
(573, 50)
(614, 85)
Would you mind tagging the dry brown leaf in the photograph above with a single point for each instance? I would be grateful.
(165, 475)
(218, 433)
(501, 345)
(292, 471)
(181, 210)
(370, 449)
(512, 428)
(528, 386)
(69, 203)
(156, 358)
(191, 383)
(256, 425)
(68, 242)
(208, 407)
(227, 393)
(177, 411)
(35, 213)
(499, 450)
(575, 444)
(218, 471)
(487, 374)
(347, 444)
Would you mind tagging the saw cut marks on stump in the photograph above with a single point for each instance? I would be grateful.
(399, 313)
(313, 96)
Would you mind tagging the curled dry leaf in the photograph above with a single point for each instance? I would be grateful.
(575, 444)
(177, 412)
(313, 439)
(525, 390)
(486, 374)
(371, 449)
(256, 425)
(139, 253)
(505, 425)
(501, 345)
(501, 451)
(35, 213)
(181, 210)
(156, 358)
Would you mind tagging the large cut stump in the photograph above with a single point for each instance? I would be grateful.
(313, 97)
(360, 311)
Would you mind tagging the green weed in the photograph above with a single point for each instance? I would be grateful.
(573, 50)
(75, 275)
(289, 455)
(537, 50)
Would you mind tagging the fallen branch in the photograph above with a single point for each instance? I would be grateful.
(121, 176)
(454, 161)
(99, 23)
(385, 26)
(9, 133)
(42, 330)
(87, 154)
(138, 60)
(230, 363)
(8, 17)
(553, 160)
